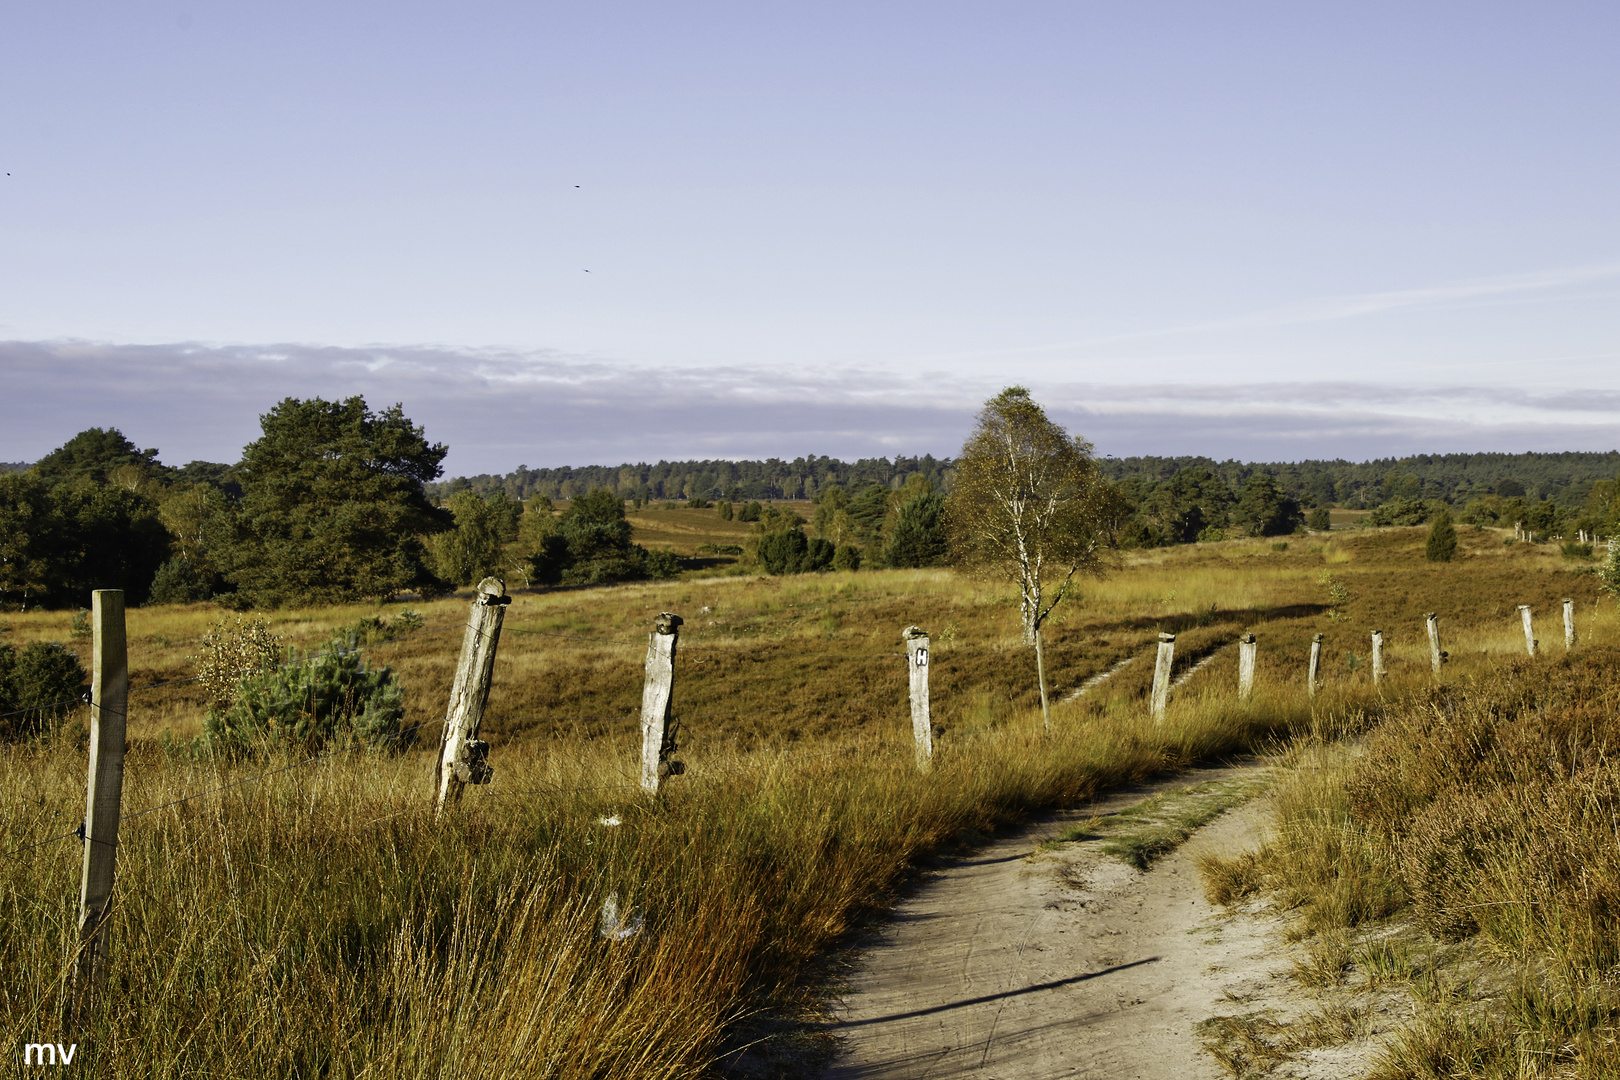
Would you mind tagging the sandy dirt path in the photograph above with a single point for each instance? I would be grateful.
(1014, 964)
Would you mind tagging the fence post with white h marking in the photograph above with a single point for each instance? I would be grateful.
(922, 729)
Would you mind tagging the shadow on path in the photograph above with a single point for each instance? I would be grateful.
(1053, 985)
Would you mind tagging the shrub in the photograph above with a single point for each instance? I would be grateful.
(751, 512)
(1574, 549)
(726, 511)
(330, 697)
(232, 653)
(1442, 542)
(696, 503)
(1318, 520)
(1609, 572)
(44, 679)
(783, 552)
(663, 564)
(179, 581)
(846, 557)
(371, 630)
(1400, 511)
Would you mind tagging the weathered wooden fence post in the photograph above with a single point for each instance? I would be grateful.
(922, 727)
(1315, 666)
(657, 695)
(109, 701)
(1161, 674)
(1246, 651)
(1529, 631)
(1431, 622)
(1378, 656)
(1569, 623)
(462, 758)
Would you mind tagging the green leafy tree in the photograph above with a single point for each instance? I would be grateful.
(1442, 542)
(598, 537)
(95, 454)
(38, 687)
(477, 547)
(31, 569)
(1264, 510)
(111, 538)
(332, 505)
(1030, 506)
(592, 546)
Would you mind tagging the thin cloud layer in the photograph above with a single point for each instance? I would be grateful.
(497, 410)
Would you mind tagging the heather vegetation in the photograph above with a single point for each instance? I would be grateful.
(349, 932)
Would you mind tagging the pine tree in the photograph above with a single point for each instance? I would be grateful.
(1442, 545)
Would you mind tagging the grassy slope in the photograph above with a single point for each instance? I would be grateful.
(320, 921)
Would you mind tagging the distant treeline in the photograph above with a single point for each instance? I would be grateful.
(1564, 478)
(335, 502)
(736, 481)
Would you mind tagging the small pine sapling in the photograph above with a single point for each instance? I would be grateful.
(1442, 543)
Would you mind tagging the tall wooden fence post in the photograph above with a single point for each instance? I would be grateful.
(1378, 656)
(1246, 651)
(922, 727)
(1529, 631)
(109, 700)
(1315, 666)
(1161, 675)
(1431, 622)
(657, 694)
(1569, 623)
(462, 758)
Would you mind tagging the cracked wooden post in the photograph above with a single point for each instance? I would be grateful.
(1569, 623)
(1431, 622)
(104, 797)
(1529, 631)
(657, 695)
(462, 758)
(1161, 675)
(1315, 666)
(922, 728)
(1246, 651)
(1377, 656)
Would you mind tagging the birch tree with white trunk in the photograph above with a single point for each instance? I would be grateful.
(1030, 505)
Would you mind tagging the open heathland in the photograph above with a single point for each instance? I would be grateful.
(297, 913)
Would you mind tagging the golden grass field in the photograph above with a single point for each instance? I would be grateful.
(320, 921)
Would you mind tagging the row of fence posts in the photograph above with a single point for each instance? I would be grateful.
(463, 758)
(1247, 648)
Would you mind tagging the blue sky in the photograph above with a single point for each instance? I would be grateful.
(568, 234)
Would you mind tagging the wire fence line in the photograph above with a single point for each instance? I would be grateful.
(707, 654)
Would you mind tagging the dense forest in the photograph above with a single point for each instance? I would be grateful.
(1564, 478)
(735, 481)
(336, 502)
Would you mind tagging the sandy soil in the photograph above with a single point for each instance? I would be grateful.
(1016, 964)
